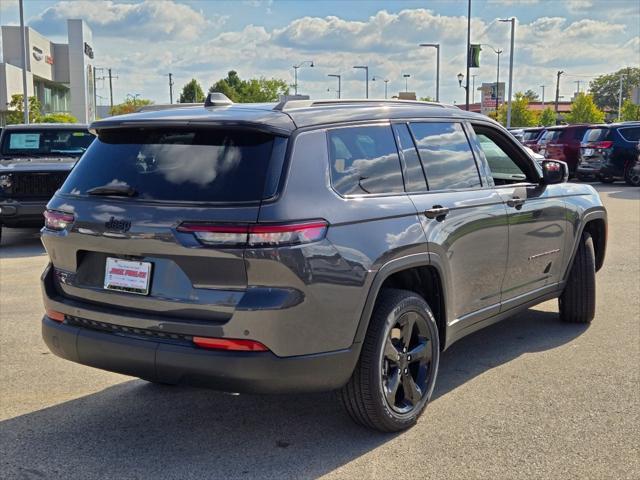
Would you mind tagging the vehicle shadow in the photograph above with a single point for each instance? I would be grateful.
(20, 242)
(140, 430)
(619, 190)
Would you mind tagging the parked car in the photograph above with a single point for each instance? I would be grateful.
(309, 246)
(517, 133)
(609, 152)
(530, 137)
(34, 161)
(563, 143)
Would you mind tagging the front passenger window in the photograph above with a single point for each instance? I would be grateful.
(503, 169)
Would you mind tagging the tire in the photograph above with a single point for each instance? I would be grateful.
(630, 177)
(578, 300)
(398, 315)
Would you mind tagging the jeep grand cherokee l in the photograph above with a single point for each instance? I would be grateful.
(34, 162)
(308, 246)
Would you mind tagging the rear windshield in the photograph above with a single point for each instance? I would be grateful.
(169, 164)
(550, 135)
(46, 142)
(595, 135)
(528, 136)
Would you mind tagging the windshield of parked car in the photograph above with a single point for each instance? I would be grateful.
(46, 142)
(176, 164)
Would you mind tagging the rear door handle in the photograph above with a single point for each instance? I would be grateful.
(437, 211)
(516, 202)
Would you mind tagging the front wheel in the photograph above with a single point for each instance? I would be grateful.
(396, 373)
(578, 300)
(632, 176)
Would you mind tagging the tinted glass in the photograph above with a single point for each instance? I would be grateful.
(46, 142)
(501, 165)
(530, 136)
(595, 135)
(414, 179)
(201, 165)
(578, 133)
(446, 155)
(631, 134)
(364, 160)
(550, 135)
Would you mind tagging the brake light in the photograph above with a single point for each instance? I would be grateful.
(231, 344)
(263, 235)
(57, 221)
(53, 315)
(603, 145)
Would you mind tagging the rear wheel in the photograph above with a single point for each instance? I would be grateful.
(578, 300)
(632, 176)
(396, 373)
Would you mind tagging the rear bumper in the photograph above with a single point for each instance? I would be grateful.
(247, 372)
(589, 169)
(22, 213)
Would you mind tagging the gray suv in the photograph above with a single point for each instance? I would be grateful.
(308, 246)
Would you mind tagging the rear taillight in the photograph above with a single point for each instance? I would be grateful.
(603, 145)
(231, 344)
(57, 221)
(263, 235)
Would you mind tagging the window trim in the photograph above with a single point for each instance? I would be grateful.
(462, 123)
(383, 123)
(621, 129)
(402, 157)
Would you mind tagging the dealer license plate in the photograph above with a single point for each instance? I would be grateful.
(127, 276)
(588, 152)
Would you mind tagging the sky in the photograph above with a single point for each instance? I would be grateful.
(145, 40)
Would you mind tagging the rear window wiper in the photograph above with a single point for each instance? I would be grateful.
(113, 190)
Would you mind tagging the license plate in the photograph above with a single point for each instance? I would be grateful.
(588, 152)
(127, 276)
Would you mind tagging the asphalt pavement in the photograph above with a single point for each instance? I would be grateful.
(528, 398)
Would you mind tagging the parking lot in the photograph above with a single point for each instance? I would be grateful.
(526, 398)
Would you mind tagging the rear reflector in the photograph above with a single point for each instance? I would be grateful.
(229, 344)
(57, 221)
(56, 316)
(260, 235)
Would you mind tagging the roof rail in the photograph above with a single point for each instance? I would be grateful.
(290, 104)
(165, 106)
(217, 99)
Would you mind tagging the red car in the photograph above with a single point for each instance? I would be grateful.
(563, 143)
(530, 137)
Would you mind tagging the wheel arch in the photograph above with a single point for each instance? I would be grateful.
(414, 273)
(594, 223)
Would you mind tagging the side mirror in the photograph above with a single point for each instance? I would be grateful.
(554, 171)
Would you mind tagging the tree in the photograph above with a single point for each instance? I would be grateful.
(252, 90)
(584, 110)
(59, 118)
(629, 111)
(521, 115)
(606, 88)
(427, 99)
(16, 105)
(130, 105)
(547, 118)
(531, 96)
(192, 92)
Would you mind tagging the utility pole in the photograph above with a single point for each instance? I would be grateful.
(468, 51)
(23, 39)
(560, 72)
(170, 87)
(542, 87)
(111, 77)
(513, 33)
(385, 88)
(577, 82)
(620, 100)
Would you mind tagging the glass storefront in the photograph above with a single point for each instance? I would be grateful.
(53, 98)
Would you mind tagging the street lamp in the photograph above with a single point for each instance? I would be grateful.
(339, 77)
(295, 73)
(386, 82)
(460, 79)
(366, 71)
(513, 31)
(497, 51)
(437, 47)
(406, 81)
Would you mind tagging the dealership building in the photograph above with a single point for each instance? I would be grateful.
(60, 75)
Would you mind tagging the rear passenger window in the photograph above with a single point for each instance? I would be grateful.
(414, 180)
(446, 156)
(364, 160)
(630, 134)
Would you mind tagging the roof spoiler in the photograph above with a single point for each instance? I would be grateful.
(217, 99)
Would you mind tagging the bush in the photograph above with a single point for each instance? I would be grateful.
(59, 118)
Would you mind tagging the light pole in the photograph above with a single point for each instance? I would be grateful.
(542, 87)
(295, 73)
(498, 80)
(339, 77)
(23, 40)
(513, 31)
(473, 88)
(460, 78)
(406, 77)
(437, 47)
(171, 84)
(366, 78)
(375, 79)
(468, 52)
